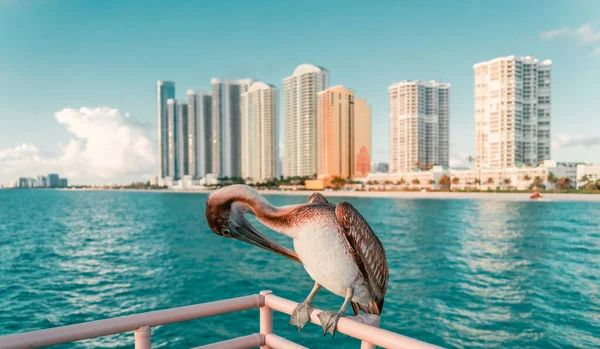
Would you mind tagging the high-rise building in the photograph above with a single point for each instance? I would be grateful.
(42, 181)
(173, 133)
(419, 128)
(63, 183)
(260, 148)
(165, 90)
(335, 116)
(183, 153)
(226, 126)
(512, 111)
(199, 140)
(343, 134)
(300, 114)
(25, 182)
(53, 180)
(361, 165)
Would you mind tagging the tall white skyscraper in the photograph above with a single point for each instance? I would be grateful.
(260, 149)
(173, 133)
(300, 113)
(512, 111)
(226, 126)
(164, 90)
(199, 140)
(419, 124)
(177, 154)
(183, 153)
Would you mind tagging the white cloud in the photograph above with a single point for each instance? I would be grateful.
(460, 159)
(18, 151)
(107, 145)
(585, 35)
(564, 141)
(554, 33)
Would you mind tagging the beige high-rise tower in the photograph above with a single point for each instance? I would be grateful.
(419, 124)
(300, 112)
(512, 111)
(260, 154)
(343, 134)
(362, 138)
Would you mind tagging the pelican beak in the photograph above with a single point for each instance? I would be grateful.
(241, 229)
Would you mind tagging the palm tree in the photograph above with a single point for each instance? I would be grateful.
(338, 182)
(470, 159)
(585, 179)
(402, 181)
(527, 177)
(507, 182)
(416, 181)
(455, 180)
(431, 181)
(490, 180)
(444, 181)
(552, 178)
(563, 183)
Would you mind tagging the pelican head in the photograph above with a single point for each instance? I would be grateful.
(225, 210)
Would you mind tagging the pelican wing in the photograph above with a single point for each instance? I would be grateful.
(368, 254)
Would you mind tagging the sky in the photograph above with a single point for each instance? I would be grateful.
(78, 78)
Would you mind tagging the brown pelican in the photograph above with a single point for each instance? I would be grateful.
(334, 243)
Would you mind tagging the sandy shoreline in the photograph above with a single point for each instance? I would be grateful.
(395, 194)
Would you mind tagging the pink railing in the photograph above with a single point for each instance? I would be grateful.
(364, 327)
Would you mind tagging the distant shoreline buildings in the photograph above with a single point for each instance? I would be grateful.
(50, 181)
(234, 131)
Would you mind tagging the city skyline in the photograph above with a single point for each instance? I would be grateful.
(64, 127)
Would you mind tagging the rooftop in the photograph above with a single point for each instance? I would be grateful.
(307, 68)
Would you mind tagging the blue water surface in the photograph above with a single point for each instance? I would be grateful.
(463, 273)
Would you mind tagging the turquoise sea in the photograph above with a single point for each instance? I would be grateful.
(463, 273)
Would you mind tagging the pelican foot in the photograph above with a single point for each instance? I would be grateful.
(301, 315)
(329, 320)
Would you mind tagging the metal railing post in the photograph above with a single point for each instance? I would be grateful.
(266, 319)
(143, 336)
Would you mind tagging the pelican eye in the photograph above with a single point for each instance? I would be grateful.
(225, 232)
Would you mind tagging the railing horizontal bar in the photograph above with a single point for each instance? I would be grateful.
(276, 342)
(245, 342)
(93, 329)
(374, 335)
